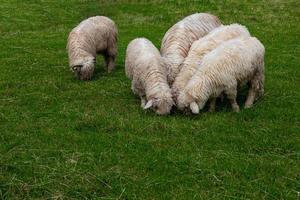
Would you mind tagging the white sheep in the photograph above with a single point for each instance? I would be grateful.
(95, 35)
(179, 38)
(144, 66)
(201, 47)
(231, 64)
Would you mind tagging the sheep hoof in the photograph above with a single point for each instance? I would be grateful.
(211, 110)
(248, 105)
(236, 109)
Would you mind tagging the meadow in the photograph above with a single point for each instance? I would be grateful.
(61, 138)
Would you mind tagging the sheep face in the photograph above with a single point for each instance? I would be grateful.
(160, 106)
(84, 71)
(187, 103)
(183, 101)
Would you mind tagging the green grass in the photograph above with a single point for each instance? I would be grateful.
(65, 139)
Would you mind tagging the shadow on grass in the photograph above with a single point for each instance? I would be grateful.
(99, 71)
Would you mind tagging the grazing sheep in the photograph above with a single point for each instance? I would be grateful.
(224, 69)
(143, 65)
(201, 47)
(179, 38)
(95, 35)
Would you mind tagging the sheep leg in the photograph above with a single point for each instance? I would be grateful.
(256, 89)
(231, 95)
(251, 95)
(110, 63)
(110, 56)
(143, 101)
(212, 105)
(222, 97)
(234, 104)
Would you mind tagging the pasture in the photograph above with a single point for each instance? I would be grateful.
(61, 138)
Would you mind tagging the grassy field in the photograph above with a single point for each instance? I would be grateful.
(65, 139)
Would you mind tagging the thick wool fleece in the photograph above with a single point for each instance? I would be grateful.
(179, 38)
(201, 47)
(95, 35)
(143, 65)
(224, 69)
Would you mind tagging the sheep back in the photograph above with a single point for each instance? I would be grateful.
(178, 39)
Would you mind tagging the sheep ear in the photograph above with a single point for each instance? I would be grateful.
(194, 107)
(148, 104)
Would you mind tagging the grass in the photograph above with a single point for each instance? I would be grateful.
(65, 139)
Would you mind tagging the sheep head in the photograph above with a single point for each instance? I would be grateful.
(161, 106)
(187, 103)
(85, 70)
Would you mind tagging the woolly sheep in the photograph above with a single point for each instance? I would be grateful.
(179, 38)
(143, 65)
(223, 70)
(95, 35)
(201, 47)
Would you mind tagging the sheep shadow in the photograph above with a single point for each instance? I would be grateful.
(100, 70)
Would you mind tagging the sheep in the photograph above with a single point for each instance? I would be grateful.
(201, 47)
(231, 64)
(144, 66)
(179, 38)
(95, 35)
